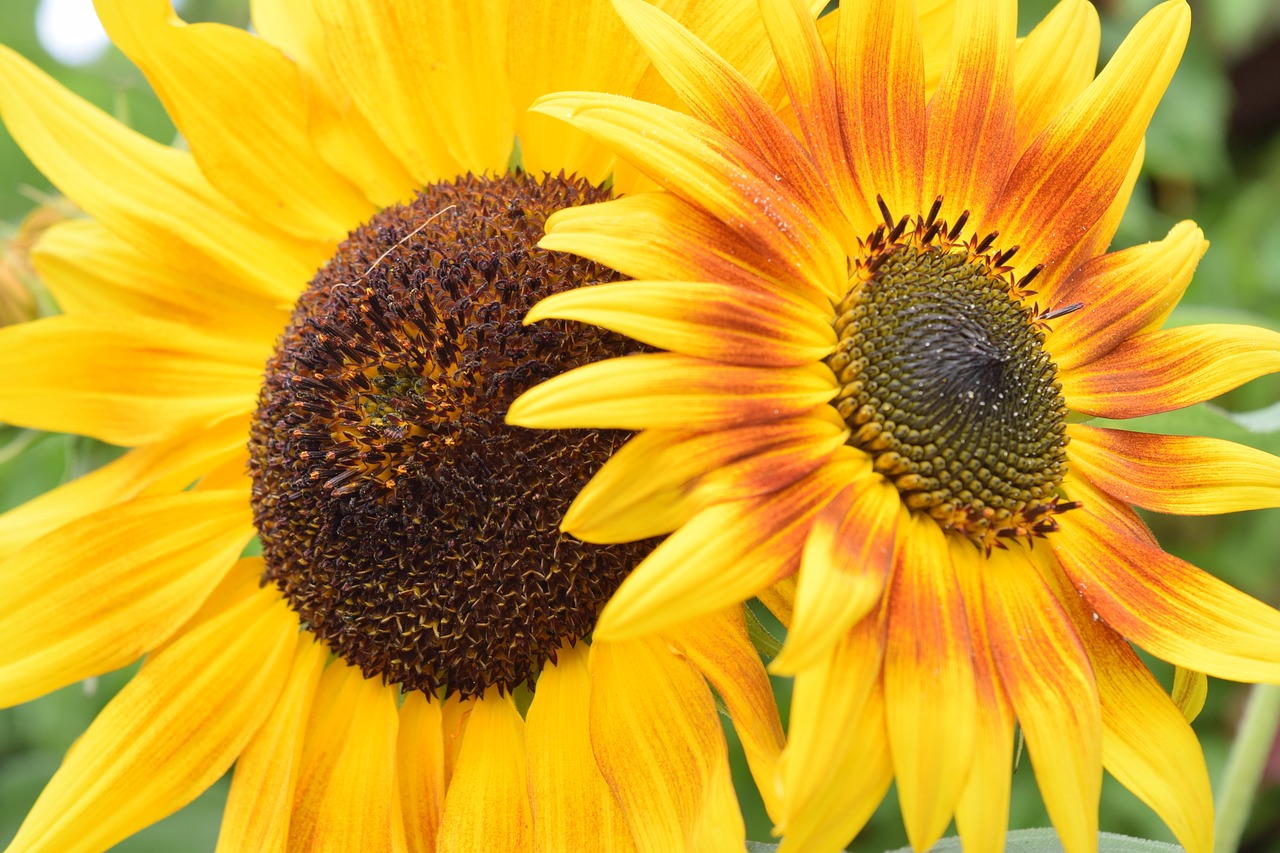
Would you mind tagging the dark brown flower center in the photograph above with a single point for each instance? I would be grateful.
(408, 525)
(945, 382)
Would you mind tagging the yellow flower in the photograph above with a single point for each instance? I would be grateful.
(409, 536)
(885, 331)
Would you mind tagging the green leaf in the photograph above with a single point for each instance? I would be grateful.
(766, 644)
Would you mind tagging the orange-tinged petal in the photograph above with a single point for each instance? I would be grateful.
(828, 701)
(1184, 475)
(264, 160)
(969, 147)
(150, 195)
(1071, 173)
(573, 808)
(670, 391)
(256, 819)
(1121, 294)
(1147, 743)
(441, 104)
(719, 647)
(348, 760)
(864, 769)
(1167, 606)
(170, 733)
(1171, 369)
(724, 555)
(880, 78)
(843, 568)
(91, 271)
(657, 739)
(713, 171)
(719, 322)
(1048, 678)
(1112, 511)
(99, 593)
(124, 385)
(660, 236)
(487, 804)
(167, 466)
(660, 478)
(420, 770)
(1054, 64)
(928, 683)
(982, 813)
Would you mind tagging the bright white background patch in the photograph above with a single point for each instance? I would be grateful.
(69, 30)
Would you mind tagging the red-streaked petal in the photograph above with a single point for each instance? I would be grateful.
(880, 75)
(724, 555)
(170, 733)
(719, 647)
(1167, 606)
(1049, 679)
(669, 391)
(1147, 743)
(1183, 475)
(846, 559)
(256, 819)
(657, 740)
(573, 808)
(102, 591)
(1071, 173)
(1171, 369)
(1122, 293)
(420, 770)
(660, 478)
(969, 148)
(928, 683)
(719, 322)
(660, 236)
(713, 171)
(1054, 64)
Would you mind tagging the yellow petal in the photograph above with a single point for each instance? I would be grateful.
(102, 591)
(1190, 688)
(487, 805)
(238, 102)
(124, 385)
(573, 808)
(256, 819)
(937, 31)
(721, 557)
(430, 76)
(149, 195)
(669, 391)
(712, 321)
(420, 770)
(718, 645)
(1184, 475)
(658, 742)
(1050, 681)
(1055, 63)
(153, 469)
(843, 568)
(170, 733)
(930, 702)
(346, 795)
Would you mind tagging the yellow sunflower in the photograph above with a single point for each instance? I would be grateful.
(407, 666)
(886, 326)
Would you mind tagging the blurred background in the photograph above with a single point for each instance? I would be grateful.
(1213, 155)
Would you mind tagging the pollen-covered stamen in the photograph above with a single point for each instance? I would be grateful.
(409, 526)
(945, 381)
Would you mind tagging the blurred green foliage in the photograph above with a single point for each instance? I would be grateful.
(1198, 166)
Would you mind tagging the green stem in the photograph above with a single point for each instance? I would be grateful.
(1245, 764)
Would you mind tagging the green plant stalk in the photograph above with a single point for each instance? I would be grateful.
(1245, 764)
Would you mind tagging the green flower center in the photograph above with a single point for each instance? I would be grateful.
(412, 529)
(946, 383)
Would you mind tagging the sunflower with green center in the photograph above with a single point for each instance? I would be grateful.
(408, 665)
(886, 324)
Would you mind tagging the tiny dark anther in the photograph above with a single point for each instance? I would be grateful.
(1061, 311)
(412, 529)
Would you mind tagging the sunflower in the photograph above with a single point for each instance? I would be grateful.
(886, 324)
(407, 664)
